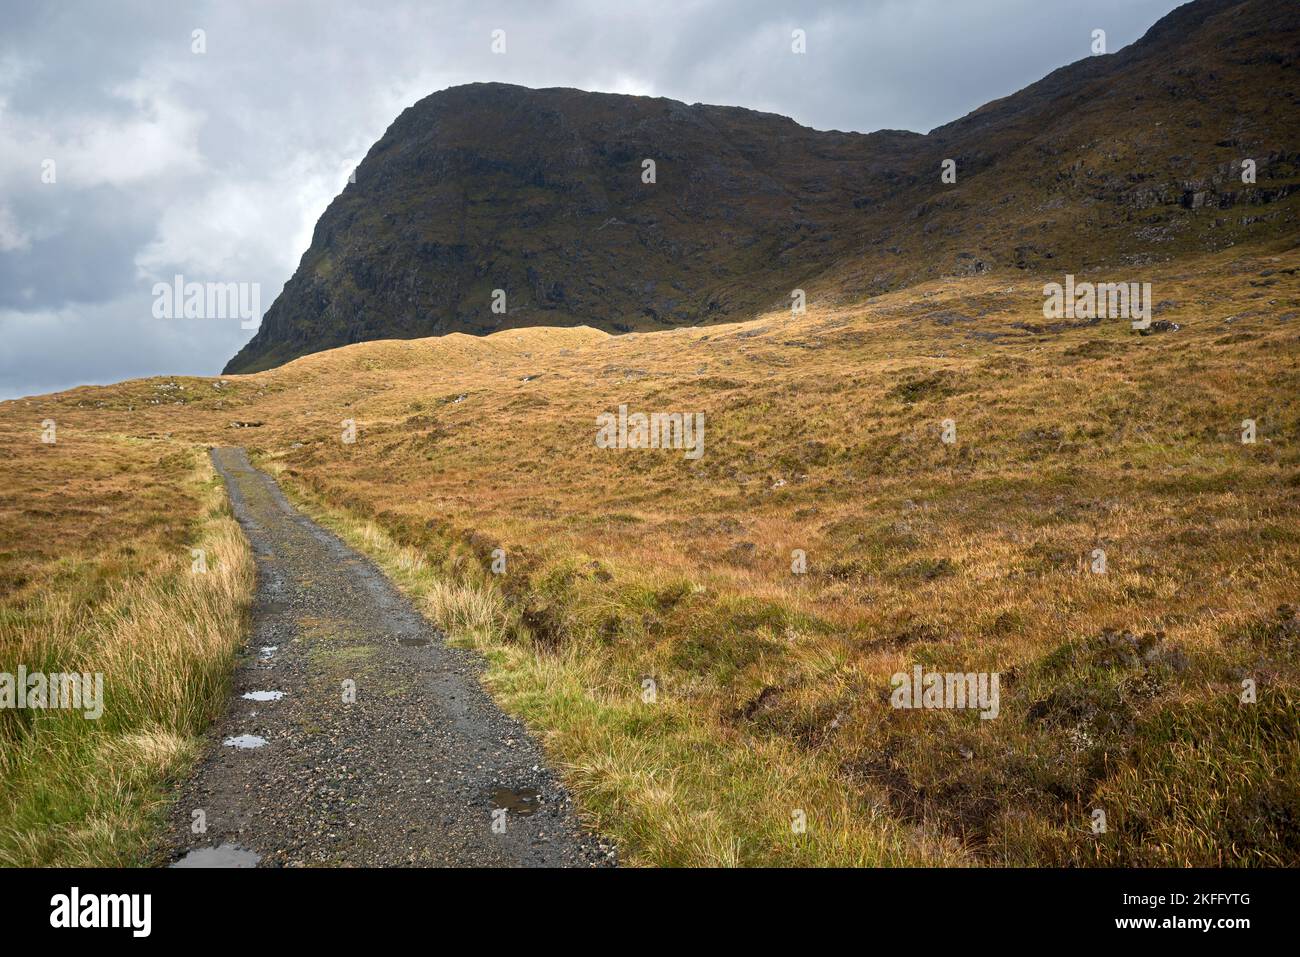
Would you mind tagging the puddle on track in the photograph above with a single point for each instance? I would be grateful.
(518, 801)
(412, 642)
(262, 695)
(245, 741)
(223, 855)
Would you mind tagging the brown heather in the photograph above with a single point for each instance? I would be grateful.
(1119, 691)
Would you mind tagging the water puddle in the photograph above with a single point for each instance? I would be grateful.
(245, 741)
(223, 855)
(518, 801)
(266, 651)
(262, 695)
(412, 642)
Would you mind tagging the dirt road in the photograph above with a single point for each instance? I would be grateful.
(380, 745)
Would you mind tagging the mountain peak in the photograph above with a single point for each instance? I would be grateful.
(490, 206)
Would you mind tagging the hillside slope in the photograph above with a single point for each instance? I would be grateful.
(1128, 158)
(823, 434)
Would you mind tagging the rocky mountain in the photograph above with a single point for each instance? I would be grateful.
(1123, 159)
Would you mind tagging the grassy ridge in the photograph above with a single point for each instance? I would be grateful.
(120, 598)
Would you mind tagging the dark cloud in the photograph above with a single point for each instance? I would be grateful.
(83, 250)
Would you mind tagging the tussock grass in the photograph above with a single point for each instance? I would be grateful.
(823, 435)
(655, 777)
(80, 792)
(1120, 692)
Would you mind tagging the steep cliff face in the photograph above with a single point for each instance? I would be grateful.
(541, 194)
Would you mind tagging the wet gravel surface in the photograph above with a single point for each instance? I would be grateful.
(423, 768)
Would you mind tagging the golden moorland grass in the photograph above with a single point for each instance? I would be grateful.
(99, 577)
(628, 570)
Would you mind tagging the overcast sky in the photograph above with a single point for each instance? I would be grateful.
(216, 165)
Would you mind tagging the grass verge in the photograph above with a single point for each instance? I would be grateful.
(82, 792)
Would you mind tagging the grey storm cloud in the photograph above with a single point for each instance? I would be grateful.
(216, 165)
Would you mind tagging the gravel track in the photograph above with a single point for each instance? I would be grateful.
(410, 774)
